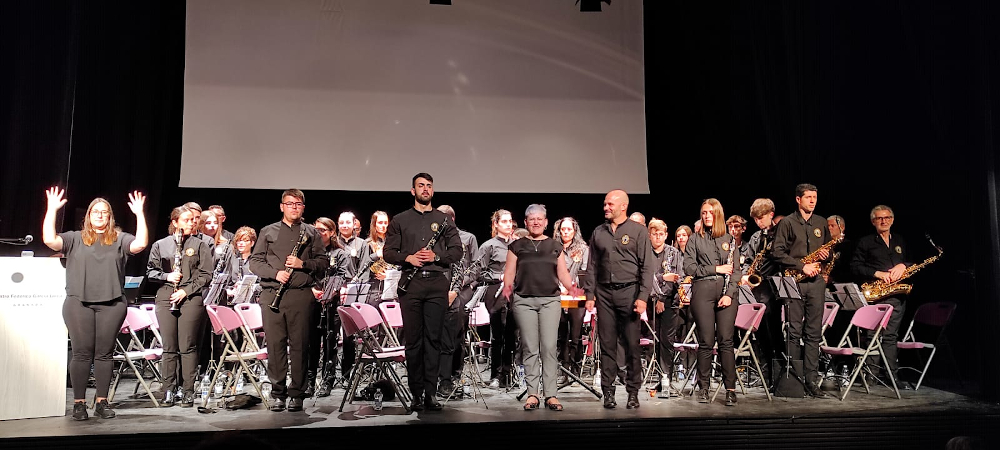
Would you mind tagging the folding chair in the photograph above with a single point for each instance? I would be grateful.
(253, 322)
(929, 316)
(748, 318)
(393, 319)
(830, 310)
(150, 310)
(226, 323)
(653, 364)
(592, 346)
(873, 318)
(686, 347)
(373, 356)
(135, 320)
(478, 317)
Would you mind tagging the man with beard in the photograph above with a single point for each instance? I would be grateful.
(425, 300)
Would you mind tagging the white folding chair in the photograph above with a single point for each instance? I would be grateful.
(374, 358)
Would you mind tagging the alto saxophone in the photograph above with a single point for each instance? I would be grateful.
(813, 257)
(753, 278)
(682, 293)
(828, 267)
(879, 289)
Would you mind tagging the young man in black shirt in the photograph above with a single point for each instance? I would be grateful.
(620, 274)
(425, 299)
(799, 234)
(275, 262)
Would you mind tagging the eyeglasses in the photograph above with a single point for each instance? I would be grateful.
(293, 204)
(96, 212)
(884, 219)
(322, 230)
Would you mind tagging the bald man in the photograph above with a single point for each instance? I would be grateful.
(619, 277)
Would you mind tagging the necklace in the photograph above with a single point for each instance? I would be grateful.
(535, 243)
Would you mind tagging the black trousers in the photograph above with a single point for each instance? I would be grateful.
(716, 326)
(667, 325)
(423, 308)
(617, 322)
(181, 331)
(805, 322)
(288, 328)
(456, 321)
(93, 328)
(503, 334)
(571, 336)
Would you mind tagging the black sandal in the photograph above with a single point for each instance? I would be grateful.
(553, 406)
(530, 405)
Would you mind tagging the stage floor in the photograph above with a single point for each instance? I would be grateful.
(501, 411)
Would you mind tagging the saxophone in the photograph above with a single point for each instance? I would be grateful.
(753, 278)
(879, 289)
(812, 258)
(682, 293)
(828, 267)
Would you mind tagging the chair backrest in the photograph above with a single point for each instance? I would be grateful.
(392, 314)
(872, 317)
(150, 310)
(223, 319)
(830, 310)
(749, 315)
(936, 314)
(370, 316)
(249, 313)
(480, 316)
(347, 320)
(135, 320)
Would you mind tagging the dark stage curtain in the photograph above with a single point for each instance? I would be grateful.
(875, 102)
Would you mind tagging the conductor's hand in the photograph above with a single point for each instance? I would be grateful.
(293, 262)
(414, 261)
(508, 290)
(811, 269)
(640, 306)
(54, 198)
(725, 301)
(282, 277)
(725, 269)
(174, 277)
(575, 291)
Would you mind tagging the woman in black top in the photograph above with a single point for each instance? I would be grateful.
(575, 254)
(180, 309)
(94, 309)
(326, 322)
(536, 265)
(707, 259)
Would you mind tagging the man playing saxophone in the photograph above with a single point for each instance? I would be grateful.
(883, 256)
(800, 234)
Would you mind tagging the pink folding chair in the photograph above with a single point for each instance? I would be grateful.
(872, 318)
(930, 316)
(748, 318)
(393, 318)
(650, 365)
(830, 310)
(252, 321)
(150, 310)
(226, 323)
(374, 359)
(135, 320)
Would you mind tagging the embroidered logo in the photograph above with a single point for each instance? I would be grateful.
(434, 227)
(189, 251)
(818, 233)
(899, 250)
(725, 246)
(625, 239)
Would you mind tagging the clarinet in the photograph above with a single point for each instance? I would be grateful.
(430, 244)
(288, 270)
(178, 242)
(732, 252)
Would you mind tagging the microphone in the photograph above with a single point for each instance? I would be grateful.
(28, 239)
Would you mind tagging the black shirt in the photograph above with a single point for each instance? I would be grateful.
(795, 238)
(275, 244)
(96, 272)
(670, 260)
(624, 256)
(761, 240)
(537, 261)
(873, 255)
(409, 232)
(703, 253)
(196, 265)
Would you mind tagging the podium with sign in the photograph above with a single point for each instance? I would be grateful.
(32, 338)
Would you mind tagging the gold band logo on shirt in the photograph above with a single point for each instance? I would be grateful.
(742, 258)
(899, 250)
(189, 251)
(817, 232)
(625, 239)
(664, 265)
(725, 246)
(434, 227)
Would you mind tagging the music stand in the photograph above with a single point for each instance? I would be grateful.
(390, 284)
(216, 289)
(849, 295)
(785, 289)
(746, 296)
(477, 298)
(244, 289)
(131, 288)
(356, 292)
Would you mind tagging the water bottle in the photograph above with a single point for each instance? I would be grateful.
(680, 371)
(520, 375)
(205, 382)
(378, 399)
(239, 384)
(265, 389)
(597, 378)
(219, 384)
(466, 389)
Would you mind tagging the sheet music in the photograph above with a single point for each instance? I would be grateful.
(391, 283)
(133, 282)
(477, 297)
(243, 291)
(356, 292)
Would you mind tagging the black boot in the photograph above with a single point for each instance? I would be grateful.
(730, 398)
(609, 399)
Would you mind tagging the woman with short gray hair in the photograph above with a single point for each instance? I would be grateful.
(536, 266)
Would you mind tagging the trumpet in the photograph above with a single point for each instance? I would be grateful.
(288, 270)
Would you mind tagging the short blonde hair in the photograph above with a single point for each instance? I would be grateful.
(657, 225)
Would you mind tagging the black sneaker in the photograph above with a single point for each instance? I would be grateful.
(703, 396)
(80, 411)
(813, 390)
(187, 400)
(633, 401)
(103, 410)
(609, 399)
(730, 398)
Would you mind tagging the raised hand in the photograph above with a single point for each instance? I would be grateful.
(136, 201)
(54, 195)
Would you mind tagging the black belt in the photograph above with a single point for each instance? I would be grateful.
(617, 286)
(427, 273)
(491, 282)
(709, 278)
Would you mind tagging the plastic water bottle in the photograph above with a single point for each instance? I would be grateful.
(680, 371)
(520, 375)
(219, 384)
(597, 378)
(466, 389)
(378, 399)
(205, 382)
(239, 384)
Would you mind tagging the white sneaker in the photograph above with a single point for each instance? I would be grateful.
(495, 383)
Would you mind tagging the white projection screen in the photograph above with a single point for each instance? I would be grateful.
(359, 95)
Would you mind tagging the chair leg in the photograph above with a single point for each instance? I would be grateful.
(926, 366)
(892, 377)
(760, 373)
